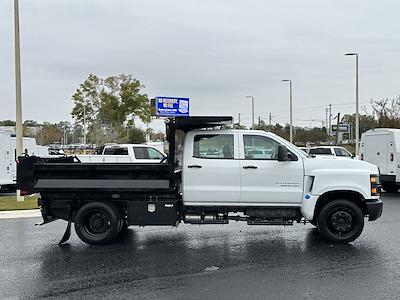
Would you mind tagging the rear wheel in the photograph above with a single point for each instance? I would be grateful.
(313, 222)
(97, 223)
(340, 221)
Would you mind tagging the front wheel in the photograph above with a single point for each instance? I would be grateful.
(97, 223)
(340, 221)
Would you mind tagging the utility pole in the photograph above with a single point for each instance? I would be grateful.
(337, 129)
(259, 120)
(357, 105)
(290, 109)
(84, 126)
(270, 121)
(239, 119)
(330, 120)
(18, 104)
(326, 119)
(252, 110)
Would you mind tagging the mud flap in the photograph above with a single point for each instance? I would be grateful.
(67, 233)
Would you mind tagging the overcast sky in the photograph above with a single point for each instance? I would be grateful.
(214, 52)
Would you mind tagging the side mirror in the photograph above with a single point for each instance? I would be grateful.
(283, 153)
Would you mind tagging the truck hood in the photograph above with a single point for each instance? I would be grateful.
(314, 165)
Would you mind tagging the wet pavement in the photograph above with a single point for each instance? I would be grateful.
(202, 262)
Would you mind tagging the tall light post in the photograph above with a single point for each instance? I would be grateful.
(84, 126)
(291, 110)
(252, 110)
(18, 105)
(357, 104)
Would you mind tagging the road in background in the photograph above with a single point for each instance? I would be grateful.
(208, 262)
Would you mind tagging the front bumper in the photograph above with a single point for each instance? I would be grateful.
(374, 208)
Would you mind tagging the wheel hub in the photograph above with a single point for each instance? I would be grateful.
(341, 221)
(98, 223)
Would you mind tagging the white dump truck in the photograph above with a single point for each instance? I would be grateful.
(212, 176)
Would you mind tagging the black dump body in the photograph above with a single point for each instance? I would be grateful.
(68, 175)
(65, 183)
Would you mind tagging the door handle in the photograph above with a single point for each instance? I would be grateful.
(250, 167)
(195, 166)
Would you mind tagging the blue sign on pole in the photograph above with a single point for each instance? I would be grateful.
(172, 106)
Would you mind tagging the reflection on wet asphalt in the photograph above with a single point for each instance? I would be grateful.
(208, 262)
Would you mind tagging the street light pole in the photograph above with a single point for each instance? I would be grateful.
(84, 126)
(291, 109)
(18, 105)
(357, 104)
(252, 110)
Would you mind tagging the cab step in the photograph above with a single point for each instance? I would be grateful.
(270, 222)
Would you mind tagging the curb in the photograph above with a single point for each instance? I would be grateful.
(16, 214)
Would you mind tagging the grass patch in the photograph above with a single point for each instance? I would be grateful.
(10, 203)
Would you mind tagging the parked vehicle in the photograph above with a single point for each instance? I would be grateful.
(8, 167)
(334, 151)
(125, 153)
(160, 146)
(305, 149)
(216, 179)
(381, 147)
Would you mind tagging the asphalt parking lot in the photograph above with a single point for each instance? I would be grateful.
(209, 262)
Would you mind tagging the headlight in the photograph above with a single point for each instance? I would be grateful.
(375, 185)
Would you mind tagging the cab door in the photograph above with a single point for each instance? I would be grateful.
(264, 179)
(211, 169)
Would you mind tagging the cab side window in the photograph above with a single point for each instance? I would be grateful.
(260, 147)
(213, 146)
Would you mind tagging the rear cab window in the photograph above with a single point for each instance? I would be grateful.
(320, 151)
(212, 146)
(116, 151)
(140, 153)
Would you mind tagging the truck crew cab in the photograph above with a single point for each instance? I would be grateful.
(211, 176)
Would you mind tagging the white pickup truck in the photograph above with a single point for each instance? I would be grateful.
(212, 176)
(125, 153)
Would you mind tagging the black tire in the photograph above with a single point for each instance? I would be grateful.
(313, 222)
(340, 221)
(97, 223)
(390, 187)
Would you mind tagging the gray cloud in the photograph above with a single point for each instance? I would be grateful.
(214, 52)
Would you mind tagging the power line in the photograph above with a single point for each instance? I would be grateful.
(309, 108)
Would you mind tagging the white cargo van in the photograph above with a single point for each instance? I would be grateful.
(8, 157)
(381, 147)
